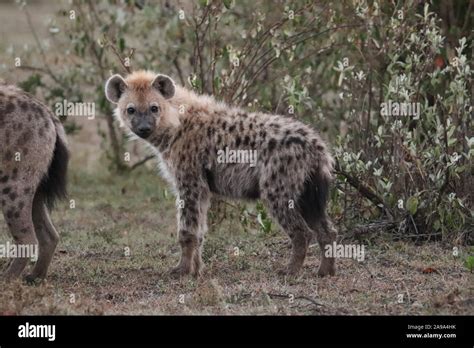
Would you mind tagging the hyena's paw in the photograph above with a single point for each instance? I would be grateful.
(182, 271)
(289, 271)
(327, 267)
(32, 279)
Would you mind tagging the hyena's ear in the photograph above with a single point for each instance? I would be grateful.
(114, 88)
(165, 85)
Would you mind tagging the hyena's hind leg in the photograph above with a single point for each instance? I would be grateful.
(326, 235)
(17, 202)
(48, 237)
(295, 226)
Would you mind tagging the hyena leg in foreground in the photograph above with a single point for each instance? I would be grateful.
(18, 216)
(47, 237)
(193, 203)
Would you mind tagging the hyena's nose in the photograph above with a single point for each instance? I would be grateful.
(144, 131)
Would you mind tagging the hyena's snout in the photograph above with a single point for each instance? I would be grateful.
(143, 125)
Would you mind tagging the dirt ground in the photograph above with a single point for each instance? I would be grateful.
(135, 216)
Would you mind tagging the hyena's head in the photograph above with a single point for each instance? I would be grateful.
(142, 100)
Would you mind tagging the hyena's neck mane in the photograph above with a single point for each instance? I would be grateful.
(185, 107)
(192, 105)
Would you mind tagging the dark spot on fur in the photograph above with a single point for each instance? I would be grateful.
(24, 137)
(13, 196)
(186, 237)
(237, 141)
(4, 179)
(271, 145)
(23, 105)
(9, 108)
(295, 140)
(232, 128)
(210, 131)
(302, 132)
(6, 190)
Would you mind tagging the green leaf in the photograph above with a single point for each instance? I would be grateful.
(227, 4)
(469, 263)
(412, 205)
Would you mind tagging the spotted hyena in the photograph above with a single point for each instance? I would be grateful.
(188, 133)
(33, 165)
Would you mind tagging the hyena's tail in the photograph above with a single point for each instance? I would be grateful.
(313, 200)
(53, 186)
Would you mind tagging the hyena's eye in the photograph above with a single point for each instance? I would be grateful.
(154, 109)
(130, 111)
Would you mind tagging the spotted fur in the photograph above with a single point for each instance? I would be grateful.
(33, 166)
(186, 131)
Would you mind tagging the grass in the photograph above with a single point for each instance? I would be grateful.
(116, 216)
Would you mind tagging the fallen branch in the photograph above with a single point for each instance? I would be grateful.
(364, 190)
(142, 162)
(373, 226)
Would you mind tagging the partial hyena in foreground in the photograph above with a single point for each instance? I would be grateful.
(33, 165)
(188, 132)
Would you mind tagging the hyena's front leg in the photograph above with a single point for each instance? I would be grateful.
(192, 204)
(204, 203)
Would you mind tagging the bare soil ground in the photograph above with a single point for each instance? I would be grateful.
(92, 274)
